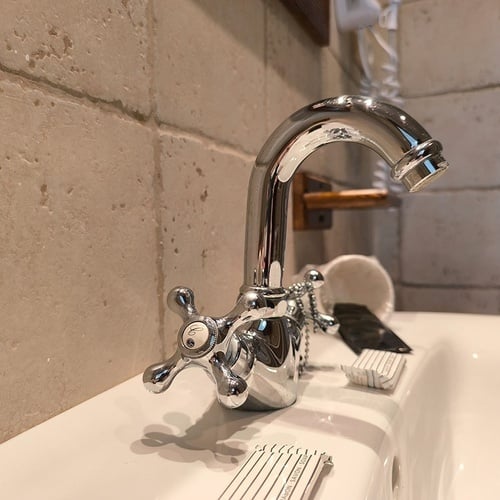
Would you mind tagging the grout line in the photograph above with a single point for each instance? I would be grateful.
(453, 92)
(157, 180)
(453, 190)
(406, 284)
(209, 142)
(60, 90)
(151, 121)
(157, 196)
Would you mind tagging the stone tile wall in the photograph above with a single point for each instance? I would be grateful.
(127, 133)
(450, 243)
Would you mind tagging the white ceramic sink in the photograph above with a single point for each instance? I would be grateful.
(434, 437)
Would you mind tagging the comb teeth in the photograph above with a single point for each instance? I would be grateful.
(376, 369)
(277, 472)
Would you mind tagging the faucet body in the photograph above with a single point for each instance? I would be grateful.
(252, 353)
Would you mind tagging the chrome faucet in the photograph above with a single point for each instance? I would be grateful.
(252, 353)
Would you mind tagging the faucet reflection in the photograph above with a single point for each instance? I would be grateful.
(252, 353)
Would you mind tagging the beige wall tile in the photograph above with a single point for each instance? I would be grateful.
(210, 69)
(203, 222)
(463, 300)
(451, 238)
(80, 258)
(97, 48)
(342, 47)
(293, 71)
(449, 45)
(79, 309)
(334, 80)
(467, 125)
(289, 87)
(306, 247)
(386, 239)
(351, 233)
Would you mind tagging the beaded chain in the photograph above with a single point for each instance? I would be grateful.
(297, 290)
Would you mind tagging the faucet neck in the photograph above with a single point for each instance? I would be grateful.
(385, 129)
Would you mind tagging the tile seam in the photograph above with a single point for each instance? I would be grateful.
(61, 94)
(452, 190)
(207, 141)
(420, 286)
(454, 92)
(59, 90)
(151, 122)
(157, 179)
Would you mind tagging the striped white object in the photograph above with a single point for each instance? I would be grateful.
(274, 472)
(377, 369)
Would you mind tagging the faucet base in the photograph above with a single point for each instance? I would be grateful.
(271, 348)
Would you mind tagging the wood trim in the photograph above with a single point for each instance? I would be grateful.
(352, 198)
(313, 201)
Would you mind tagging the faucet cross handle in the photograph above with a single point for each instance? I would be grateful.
(199, 342)
(180, 300)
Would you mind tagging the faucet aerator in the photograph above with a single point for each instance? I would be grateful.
(420, 165)
(423, 173)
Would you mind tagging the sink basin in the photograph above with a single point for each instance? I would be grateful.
(431, 438)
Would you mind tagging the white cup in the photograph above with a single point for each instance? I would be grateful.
(358, 279)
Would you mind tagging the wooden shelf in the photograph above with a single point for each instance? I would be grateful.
(313, 201)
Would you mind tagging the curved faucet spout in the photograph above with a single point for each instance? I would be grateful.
(415, 159)
(253, 354)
